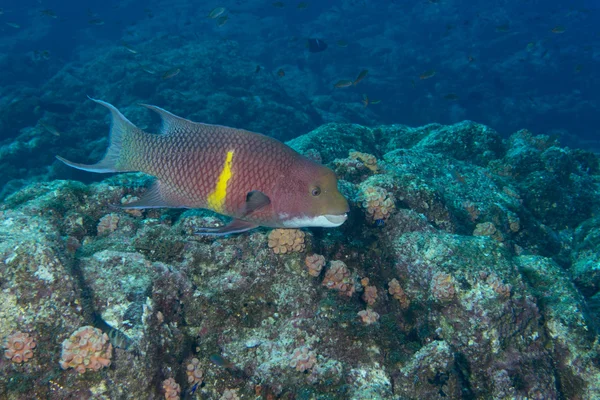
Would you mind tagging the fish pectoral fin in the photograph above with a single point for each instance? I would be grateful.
(255, 200)
(158, 195)
(235, 226)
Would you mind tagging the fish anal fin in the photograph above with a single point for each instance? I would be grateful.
(158, 195)
(255, 200)
(235, 226)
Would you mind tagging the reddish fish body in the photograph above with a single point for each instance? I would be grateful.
(253, 178)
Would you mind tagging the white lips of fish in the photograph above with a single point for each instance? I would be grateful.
(322, 221)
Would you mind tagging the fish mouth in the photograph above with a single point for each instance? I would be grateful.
(336, 219)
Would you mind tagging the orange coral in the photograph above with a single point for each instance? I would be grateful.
(286, 240)
(315, 264)
(367, 159)
(338, 277)
(172, 389)
(370, 295)
(377, 202)
(87, 348)
(396, 291)
(193, 371)
(368, 316)
(19, 347)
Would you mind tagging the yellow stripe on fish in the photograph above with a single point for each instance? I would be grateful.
(216, 199)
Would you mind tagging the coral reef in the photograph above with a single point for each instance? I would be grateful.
(472, 288)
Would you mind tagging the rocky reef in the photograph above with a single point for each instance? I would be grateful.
(467, 269)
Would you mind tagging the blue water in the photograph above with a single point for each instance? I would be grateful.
(495, 62)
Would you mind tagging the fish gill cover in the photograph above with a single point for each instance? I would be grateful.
(467, 267)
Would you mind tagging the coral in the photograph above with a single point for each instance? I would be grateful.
(230, 394)
(193, 371)
(172, 389)
(19, 347)
(338, 278)
(396, 291)
(87, 348)
(368, 316)
(443, 287)
(370, 295)
(131, 211)
(368, 160)
(315, 264)
(303, 359)
(377, 202)
(108, 224)
(283, 241)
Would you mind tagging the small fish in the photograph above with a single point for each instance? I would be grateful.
(471, 59)
(502, 28)
(193, 388)
(365, 100)
(343, 83)
(279, 4)
(316, 45)
(302, 5)
(342, 43)
(375, 102)
(578, 68)
(225, 170)
(558, 29)
(13, 25)
(451, 97)
(413, 83)
(171, 73)
(360, 76)
(221, 361)
(530, 46)
(120, 340)
(1, 11)
(216, 12)
(129, 49)
(222, 20)
(281, 73)
(257, 70)
(427, 74)
(96, 21)
(50, 129)
(48, 13)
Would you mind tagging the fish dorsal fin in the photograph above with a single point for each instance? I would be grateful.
(171, 123)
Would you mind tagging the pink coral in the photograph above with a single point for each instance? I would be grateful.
(108, 224)
(303, 359)
(286, 241)
(193, 371)
(370, 295)
(230, 394)
(172, 389)
(368, 316)
(315, 264)
(87, 348)
(338, 277)
(19, 347)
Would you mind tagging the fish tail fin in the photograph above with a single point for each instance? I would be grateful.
(118, 156)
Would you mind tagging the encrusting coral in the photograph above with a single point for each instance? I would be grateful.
(284, 241)
(19, 347)
(87, 348)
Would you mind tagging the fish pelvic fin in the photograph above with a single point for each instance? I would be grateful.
(118, 157)
(235, 226)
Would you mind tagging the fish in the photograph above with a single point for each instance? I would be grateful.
(257, 70)
(427, 74)
(558, 29)
(216, 12)
(171, 73)
(50, 129)
(343, 83)
(342, 43)
(252, 178)
(222, 20)
(502, 28)
(281, 73)
(96, 21)
(279, 4)
(129, 48)
(13, 25)
(451, 97)
(366, 101)
(360, 76)
(316, 45)
(302, 5)
(48, 13)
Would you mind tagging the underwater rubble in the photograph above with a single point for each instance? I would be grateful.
(467, 269)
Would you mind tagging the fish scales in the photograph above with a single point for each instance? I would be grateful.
(253, 178)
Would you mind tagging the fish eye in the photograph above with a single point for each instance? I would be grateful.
(316, 191)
